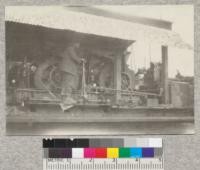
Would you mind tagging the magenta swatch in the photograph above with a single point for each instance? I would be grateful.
(89, 153)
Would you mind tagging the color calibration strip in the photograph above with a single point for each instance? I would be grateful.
(102, 142)
(102, 152)
(103, 148)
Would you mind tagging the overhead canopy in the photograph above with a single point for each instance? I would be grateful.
(60, 17)
(38, 42)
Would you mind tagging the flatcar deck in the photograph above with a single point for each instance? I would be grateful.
(97, 121)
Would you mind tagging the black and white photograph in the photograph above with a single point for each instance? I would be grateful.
(99, 70)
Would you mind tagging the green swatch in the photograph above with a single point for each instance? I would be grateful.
(124, 152)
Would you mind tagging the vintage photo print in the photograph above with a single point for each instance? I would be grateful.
(99, 70)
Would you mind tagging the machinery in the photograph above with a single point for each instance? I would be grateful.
(95, 84)
(104, 78)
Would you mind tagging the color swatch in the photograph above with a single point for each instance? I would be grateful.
(112, 152)
(124, 152)
(100, 152)
(136, 152)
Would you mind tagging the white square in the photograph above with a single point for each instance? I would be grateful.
(77, 153)
(155, 142)
(142, 142)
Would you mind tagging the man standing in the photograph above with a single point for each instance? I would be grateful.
(69, 67)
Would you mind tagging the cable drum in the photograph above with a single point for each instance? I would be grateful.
(48, 76)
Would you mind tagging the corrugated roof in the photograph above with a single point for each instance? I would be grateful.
(59, 17)
(95, 10)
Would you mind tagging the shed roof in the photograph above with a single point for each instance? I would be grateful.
(98, 11)
(60, 17)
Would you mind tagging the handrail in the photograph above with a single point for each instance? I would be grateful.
(99, 90)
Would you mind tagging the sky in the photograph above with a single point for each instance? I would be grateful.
(182, 17)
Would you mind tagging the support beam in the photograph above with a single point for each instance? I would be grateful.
(117, 76)
(164, 78)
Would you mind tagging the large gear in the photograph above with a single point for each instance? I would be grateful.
(48, 75)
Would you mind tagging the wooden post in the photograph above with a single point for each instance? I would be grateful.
(164, 78)
(117, 76)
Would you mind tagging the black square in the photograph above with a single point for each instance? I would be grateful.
(47, 143)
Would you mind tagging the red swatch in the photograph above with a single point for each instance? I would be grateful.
(101, 152)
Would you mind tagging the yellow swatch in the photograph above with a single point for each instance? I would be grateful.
(112, 152)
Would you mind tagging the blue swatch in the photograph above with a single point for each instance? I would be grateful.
(136, 152)
(147, 152)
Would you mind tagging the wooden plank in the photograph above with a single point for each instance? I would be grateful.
(164, 80)
(105, 129)
(68, 119)
(117, 76)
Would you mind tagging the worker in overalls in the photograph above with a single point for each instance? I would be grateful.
(69, 67)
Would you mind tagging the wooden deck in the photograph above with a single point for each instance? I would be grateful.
(93, 121)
